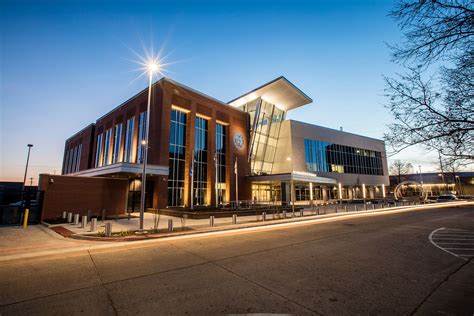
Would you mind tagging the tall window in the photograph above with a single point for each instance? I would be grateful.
(78, 158)
(127, 155)
(98, 151)
(323, 156)
(200, 162)
(107, 141)
(117, 143)
(176, 158)
(66, 162)
(141, 137)
(69, 164)
(221, 132)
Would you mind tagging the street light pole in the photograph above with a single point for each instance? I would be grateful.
(26, 171)
(151, 68)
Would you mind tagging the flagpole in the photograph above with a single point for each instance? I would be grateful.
(191, 173)
(217, 178)
(236, 183)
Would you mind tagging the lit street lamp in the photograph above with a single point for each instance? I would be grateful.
(152, 68)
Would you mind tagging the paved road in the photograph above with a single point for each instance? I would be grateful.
(377, 265)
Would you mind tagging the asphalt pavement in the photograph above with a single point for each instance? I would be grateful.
(369, 265)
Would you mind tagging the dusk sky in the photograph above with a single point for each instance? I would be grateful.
(64, 64)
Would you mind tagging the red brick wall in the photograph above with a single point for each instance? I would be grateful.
(80, 194)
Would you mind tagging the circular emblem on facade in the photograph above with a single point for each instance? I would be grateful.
(239, 140)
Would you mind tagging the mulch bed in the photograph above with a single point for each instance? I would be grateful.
(62, 231)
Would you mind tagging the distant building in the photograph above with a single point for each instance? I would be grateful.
(194, 137)
(436, 183)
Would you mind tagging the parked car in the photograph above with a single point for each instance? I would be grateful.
(446, 198)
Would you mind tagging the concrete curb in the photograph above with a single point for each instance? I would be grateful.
(229, 230)
(268, 223)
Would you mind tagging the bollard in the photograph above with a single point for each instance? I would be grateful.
(211, 221)
(355, 208)
(89, 213)
(25, 218)
(335, 209)
(64, 215)
(345, 208)
(234, 219)
(76, 219)
(108, 229)
(365, 207)
(93, 224)
(284, 214)
(103, 215)
(69, 217)
(317, 211)
(264, 216)
(301, 213)
(170, 225)
(84, 221)
(373, 206)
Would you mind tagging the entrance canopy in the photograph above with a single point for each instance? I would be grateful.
(293, 176)
(123, 168)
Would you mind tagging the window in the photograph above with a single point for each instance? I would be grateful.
(221, 143)
(176, 158)
(98, 151)
(322, 156)
(116, 157)
(78, 158)
(141, 137)
(200, 162)
(106, 156)
(127, 157)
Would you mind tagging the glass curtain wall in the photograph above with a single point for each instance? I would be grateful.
(323, 156)
(221, 132)
(266, 121)
(141, 137)
(130, 128)
(176, 158)
(200, 162)
(117, 143)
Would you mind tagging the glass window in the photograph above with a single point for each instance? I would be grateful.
(116, 156)
(221, 132)
(141, 136)
(129, 135)
(98, 151)
(106, 157)
(176, 158)
(200, 162)
(322, 156)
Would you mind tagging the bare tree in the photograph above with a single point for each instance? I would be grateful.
(436, 112)
(400, 168)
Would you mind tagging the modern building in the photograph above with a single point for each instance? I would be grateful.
(214, 152)
(437, 183)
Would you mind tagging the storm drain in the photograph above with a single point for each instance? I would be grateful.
(457, 242)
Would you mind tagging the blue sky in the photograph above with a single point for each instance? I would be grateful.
(65, 63)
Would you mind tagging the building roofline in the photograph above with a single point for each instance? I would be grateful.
(336, 130)
(82, 130)
(269, 83)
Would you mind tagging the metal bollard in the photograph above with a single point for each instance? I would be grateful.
(170, 225)
(264, 216)
(93, 224)
(84, 221)
(234, 219)
(284, 214)
(76, 219)
(69, 217)
(301, 213)
(64, 215)
(89, 213)
(211, 221)
(108, 229)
